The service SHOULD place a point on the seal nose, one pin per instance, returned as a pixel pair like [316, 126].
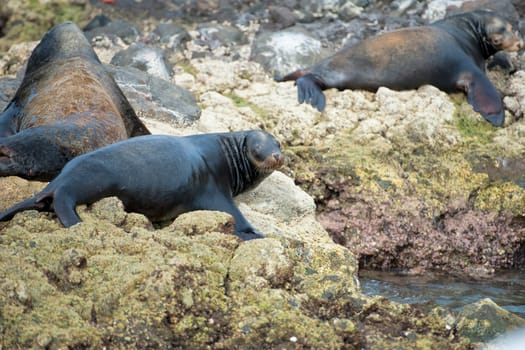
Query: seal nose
[279, 158]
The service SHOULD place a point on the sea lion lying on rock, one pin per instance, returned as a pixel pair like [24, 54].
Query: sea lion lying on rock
[66, 105]
[449, 54]
[163, 176]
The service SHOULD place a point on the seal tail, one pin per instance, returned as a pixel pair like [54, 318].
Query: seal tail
[292, 76]
[32, 203]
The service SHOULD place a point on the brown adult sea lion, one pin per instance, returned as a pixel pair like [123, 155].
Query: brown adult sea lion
[449, 54]
[163, 176]
[66, 105]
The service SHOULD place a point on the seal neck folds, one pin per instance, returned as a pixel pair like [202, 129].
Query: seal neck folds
[243, 174]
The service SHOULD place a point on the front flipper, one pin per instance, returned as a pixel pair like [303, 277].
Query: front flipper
[309, 91]
[483, 97]
[64, 206]
[219, 202]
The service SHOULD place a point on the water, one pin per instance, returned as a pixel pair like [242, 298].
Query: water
[502, 169]
[507, 289]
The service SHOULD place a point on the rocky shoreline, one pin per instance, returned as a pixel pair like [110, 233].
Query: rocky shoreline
[412, 180]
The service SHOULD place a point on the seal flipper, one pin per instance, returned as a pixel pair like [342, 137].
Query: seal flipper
[309, 91]
[29, 204]
[483, 97]
[292, 76]
[7, 120]
[64, 206]
[243, 228]
[219, 202]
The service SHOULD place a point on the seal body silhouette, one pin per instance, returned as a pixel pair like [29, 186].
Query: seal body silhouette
[66, 105]
[449, 54]
[163, 176]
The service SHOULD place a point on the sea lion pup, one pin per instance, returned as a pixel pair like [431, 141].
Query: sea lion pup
[449, 54]
[163, 176]
[66, 105]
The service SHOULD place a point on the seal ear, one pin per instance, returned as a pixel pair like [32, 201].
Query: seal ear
[483, 97]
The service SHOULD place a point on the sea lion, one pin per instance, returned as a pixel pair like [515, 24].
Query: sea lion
[66, 105]
[449, 54]
[163, 176]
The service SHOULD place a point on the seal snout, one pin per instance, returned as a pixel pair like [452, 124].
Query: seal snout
[274, 161]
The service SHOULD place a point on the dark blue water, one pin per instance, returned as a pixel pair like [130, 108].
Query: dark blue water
[507, 289]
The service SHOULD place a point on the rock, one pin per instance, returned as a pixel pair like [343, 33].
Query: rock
[282, 16]
[484, 320]
[503, 7]
[272, 213]
[316, 9]
[146, 58]
[17, 189]
[285, 51]
[26, 20]
[215, 35]
[98, 21]
[260, 264]
[436, 9]
[515, 101]
[202, 221]
[156, 98]
[173, 35]
[115, 28]
[14, 60]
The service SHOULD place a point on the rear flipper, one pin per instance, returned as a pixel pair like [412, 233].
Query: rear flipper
[292, 76]
[309, 91]
[28, 204]
[64, 207]
[483, 97]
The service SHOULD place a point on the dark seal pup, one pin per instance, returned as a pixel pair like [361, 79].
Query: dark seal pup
[66, 105]
[163, 176]
[449, 54]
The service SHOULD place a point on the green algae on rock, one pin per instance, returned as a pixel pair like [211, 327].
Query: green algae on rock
[191, 284]
[28, 19]
[484, 320]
